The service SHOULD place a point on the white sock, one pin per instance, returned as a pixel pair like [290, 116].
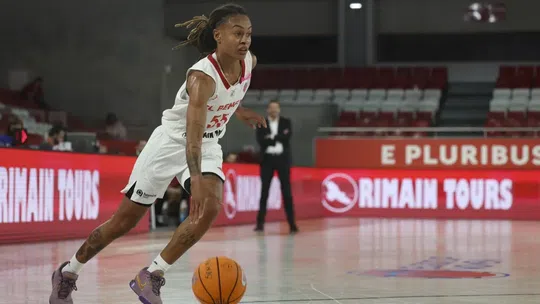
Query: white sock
[74, 266]
[159, 264]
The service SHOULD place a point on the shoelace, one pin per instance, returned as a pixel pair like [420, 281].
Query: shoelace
[157, 282]
[66, 287]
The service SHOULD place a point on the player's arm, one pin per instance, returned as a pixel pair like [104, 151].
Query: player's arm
[200, 88]
[250, 117]
[241, 112]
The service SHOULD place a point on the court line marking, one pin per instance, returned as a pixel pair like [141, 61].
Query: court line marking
[395, 297]
[328, 296]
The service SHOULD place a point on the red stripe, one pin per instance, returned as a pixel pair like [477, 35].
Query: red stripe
[218, 69]
[220, 73]
[243, 64]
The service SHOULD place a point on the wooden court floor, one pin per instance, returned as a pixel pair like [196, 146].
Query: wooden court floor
[372, 261]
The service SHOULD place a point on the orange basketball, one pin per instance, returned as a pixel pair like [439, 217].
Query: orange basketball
[219, 280]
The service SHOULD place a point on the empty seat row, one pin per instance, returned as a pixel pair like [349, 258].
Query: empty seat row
[391, 106]
[367, 77]
[517, 115]
[508, 93]
[502, 105]
[327, 95]
[510, 121]
[352, 116]
[515, 100]
[382, 121]
[518, 77]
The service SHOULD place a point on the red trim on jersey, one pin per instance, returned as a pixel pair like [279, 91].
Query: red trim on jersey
[243, 64]
[220, 72]
[218, 69]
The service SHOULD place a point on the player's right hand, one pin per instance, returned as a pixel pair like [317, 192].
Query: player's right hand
[197, 200]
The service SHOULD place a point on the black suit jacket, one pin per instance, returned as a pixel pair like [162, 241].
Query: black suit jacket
[283, 136]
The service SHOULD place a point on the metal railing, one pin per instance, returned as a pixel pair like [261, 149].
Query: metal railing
[434, 131]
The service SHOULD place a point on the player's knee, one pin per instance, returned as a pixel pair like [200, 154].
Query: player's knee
[211, 209]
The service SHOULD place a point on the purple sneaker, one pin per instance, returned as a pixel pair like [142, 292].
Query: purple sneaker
[63, 283]
[147, 286]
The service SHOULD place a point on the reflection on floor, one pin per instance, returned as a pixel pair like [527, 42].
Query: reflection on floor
[345, 261]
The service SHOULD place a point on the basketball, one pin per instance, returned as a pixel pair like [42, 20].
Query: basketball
[219, 280]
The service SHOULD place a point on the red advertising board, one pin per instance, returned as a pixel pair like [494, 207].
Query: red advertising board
[456, 194]
[450, 194]
[412, 153]
[54, 195]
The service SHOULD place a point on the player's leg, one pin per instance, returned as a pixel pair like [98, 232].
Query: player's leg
[144, 186]
[148, 282]
[126, 217]
[150, 279]
[187, 235]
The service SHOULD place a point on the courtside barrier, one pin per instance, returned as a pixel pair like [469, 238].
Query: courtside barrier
[55, 195]
[445, 194]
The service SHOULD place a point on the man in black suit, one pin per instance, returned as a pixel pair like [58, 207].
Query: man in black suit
[274, 142]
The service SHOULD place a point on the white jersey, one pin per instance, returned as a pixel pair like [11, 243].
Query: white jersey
[221, 106]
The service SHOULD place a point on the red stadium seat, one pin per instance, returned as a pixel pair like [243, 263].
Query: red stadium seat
[513, 123]
[527, 71]
[420, 77]
[494, 122]
[496, 115]
[385, 78]
[507, 72]
[424, 116]
[520, 116]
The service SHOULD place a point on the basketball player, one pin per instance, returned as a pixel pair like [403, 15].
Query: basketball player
[185, 146]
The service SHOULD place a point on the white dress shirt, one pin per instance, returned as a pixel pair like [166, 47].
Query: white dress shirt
[276, 149]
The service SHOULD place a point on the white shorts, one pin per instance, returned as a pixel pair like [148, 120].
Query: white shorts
[163, 159]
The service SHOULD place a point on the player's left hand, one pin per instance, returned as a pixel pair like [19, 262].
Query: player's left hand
[251, 118]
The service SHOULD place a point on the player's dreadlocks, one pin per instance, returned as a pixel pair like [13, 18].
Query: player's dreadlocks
[202, 34]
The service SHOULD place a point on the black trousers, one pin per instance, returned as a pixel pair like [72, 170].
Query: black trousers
[269, 165]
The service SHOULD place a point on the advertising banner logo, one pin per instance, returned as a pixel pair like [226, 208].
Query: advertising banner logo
[339, 192]
[229, 194]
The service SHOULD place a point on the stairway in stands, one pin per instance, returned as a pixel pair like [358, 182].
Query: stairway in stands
[466, 105]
